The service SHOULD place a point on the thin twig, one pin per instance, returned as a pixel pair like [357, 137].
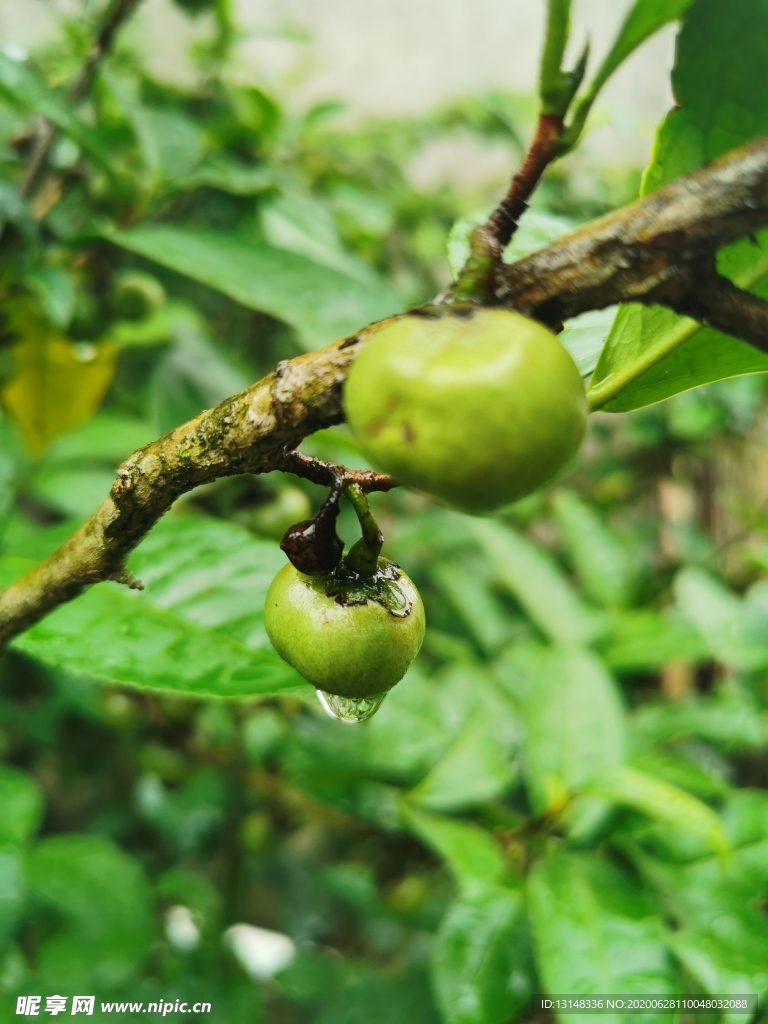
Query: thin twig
[502, 223]
[116, 15]
[328, 474]
[557, 89]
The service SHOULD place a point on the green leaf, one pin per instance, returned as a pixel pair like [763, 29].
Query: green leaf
[416, 725]
[320, 302]
[720, 935]
[115, 638]
[735, 631]
[703, 781]
[226, 173]
[172, 144]
[213, 573]
[596, 931]
[8, 468]
[12, 892]
[468, 589]
[538, 228]
[644, 19]
[185, 817]
[536, 582]
[746, 821]
[646, 640]
[379, 996]
[299, 223]
[56, 290]
[679, 355]
[728, 956]
[197, 629]
[21, 87]
[105, 900]
[423, 720]
[21, 806]
[727, 722]
[597, 554]
[108, 437]
[481, 960]
[477, 767]
[468, 850]
[652, 354]
[574, 726]
[584, 337]
[662, 802]
[744, 870]
[75, 490]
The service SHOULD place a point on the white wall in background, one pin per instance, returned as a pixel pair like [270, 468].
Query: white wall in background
[398, 56]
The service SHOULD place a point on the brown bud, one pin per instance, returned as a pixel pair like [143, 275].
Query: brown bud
[313, 546]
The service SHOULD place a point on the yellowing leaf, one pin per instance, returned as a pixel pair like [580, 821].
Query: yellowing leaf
[56, 383]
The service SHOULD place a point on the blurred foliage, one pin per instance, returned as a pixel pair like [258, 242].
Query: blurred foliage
[568, 791]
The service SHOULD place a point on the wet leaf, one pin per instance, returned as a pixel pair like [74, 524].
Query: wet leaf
[596, 931]
[481, 964]
[196, 629]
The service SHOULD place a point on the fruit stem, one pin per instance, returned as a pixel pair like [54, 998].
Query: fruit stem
[363, 556]
[327, 474]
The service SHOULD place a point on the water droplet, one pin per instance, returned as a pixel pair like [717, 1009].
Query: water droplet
[85, 352]
[350, 710]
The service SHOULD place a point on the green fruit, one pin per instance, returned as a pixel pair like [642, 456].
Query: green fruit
[477, 408]
[348, 635]
[136, 295]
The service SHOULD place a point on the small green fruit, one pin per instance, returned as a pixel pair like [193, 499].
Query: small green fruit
[477, 408]
[136, 295]
[348, 635]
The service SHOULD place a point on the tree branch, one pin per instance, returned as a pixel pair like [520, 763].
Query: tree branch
[717, 302]
[652, 251]
[327, 474]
